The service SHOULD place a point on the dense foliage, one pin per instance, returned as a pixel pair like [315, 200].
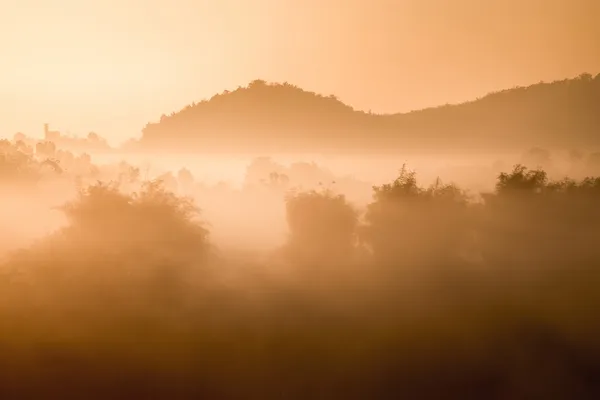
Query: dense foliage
[427, 294]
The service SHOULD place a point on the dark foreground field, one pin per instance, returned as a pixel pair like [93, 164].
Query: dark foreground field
[426, 295]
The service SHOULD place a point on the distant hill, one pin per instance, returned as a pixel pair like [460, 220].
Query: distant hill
[283, 117]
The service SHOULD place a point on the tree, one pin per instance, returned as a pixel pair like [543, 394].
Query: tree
[407, 225]
[257, 83]
[322, 228]
[521, 180]
[152, 237]
[185, 178]
[532, 222]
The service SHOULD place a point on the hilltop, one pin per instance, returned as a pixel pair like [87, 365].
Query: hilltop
[283, 117]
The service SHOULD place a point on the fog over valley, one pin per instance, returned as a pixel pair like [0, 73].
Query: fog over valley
[272, 242]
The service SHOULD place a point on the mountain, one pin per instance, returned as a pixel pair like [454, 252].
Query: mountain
[285, 118]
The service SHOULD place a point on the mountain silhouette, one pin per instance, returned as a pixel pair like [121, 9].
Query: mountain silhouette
[283, 117]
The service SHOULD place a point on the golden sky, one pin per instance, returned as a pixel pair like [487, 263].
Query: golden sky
[113, 65]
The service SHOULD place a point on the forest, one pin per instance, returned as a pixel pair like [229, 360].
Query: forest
[276, 117]
[427, 291]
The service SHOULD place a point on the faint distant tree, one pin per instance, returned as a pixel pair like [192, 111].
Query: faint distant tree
[257, 83]
[260, 168]
[45, 149]
[86, 158]
[19, 137]
[96, 140]
[537, 157]
[274, 179]
[185, 179]
[129, 174]
[93, 137]
[575, 156]
[168, 181]
[322, 228]
[283, 180]
[278, 181]
[309, 175]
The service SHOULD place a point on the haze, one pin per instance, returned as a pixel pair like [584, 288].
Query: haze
[227, 200]
[112, 66]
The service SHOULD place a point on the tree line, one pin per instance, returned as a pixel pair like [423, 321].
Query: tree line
[428, 293]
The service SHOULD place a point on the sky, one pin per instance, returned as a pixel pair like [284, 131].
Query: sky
[111, 66]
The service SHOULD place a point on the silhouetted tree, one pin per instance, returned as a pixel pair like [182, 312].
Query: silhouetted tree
[408, 225]
[532, 222]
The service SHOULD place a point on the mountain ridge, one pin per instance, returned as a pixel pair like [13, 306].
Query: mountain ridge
[283, 117]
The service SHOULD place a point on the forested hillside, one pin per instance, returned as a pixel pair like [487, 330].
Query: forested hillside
[283, 117]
